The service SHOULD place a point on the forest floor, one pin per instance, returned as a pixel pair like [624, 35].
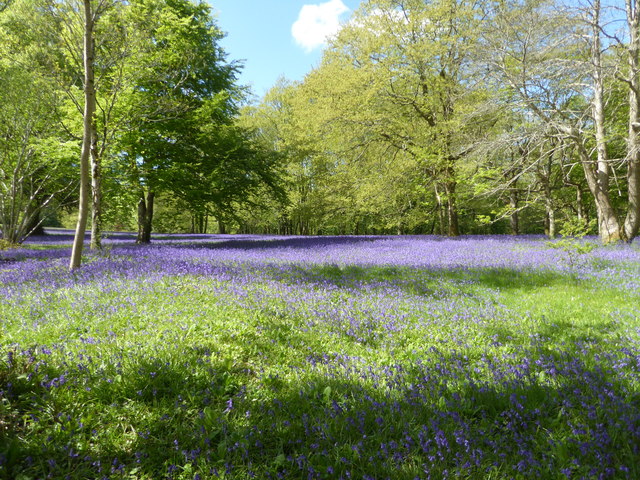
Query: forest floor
[236, 357]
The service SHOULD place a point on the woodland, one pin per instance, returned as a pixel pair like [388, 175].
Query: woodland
[348, 278]
[424, 117]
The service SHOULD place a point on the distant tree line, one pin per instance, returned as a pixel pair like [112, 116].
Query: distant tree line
[457, 116]
[441, 116]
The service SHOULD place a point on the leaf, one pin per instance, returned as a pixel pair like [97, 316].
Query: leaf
[327, 394]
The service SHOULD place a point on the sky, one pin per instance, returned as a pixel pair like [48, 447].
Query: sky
[278, 38]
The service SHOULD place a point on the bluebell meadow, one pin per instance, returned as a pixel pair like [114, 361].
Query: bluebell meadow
[237, 357]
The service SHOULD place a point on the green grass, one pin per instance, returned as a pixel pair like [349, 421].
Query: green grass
[40, 246]
[146, 370]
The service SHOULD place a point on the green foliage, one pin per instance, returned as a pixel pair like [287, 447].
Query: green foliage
[572, 242]
[379, 138]
[166, 95]
[35, 154]
[6, 245]
[576, 229]
[173, 215]
[182, 140]
[412, 123]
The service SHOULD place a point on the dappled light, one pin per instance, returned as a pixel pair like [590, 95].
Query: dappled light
[417, 261]
[334, 357]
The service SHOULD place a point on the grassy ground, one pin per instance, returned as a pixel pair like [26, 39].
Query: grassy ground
[317, 361]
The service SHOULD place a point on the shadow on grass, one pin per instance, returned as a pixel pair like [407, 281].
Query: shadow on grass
[192, 412]
[259, 242]
[420, 280]
[396, 422]
[125, 422]
[123, 415]
[212, 241]
[562, 331]
[338, 418]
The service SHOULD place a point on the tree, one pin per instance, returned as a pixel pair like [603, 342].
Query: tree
[88, 138]
[34, 153]
[401, 74]
[67, 63]
[54, 34]
[180, 106]
[632, 80]
[33, 170]
[559, 66]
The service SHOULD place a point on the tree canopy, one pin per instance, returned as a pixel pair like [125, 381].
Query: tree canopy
[440, 116]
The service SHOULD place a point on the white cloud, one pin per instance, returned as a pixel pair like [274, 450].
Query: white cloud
[316, 23]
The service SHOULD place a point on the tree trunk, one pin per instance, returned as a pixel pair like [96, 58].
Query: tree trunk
[550, 220]
[433, 225]
[608, 225]
[96, 194]
[452, 209]
[544, 175]
[598, 180]
[34, 221]
[199, 223]
[597, 176]
[550, 212]
[142, 215]
[89, 112]
[580, 205]
[440, 207]
[514, 221]
[145, 217]
[632, 220]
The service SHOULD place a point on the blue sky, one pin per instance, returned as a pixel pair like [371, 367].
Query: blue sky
[278, 38]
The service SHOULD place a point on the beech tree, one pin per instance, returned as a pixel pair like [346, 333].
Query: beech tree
[90, 16]
[34, 158]
[558, 64]
[34, 151]
[182, 87]
[402, 74]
